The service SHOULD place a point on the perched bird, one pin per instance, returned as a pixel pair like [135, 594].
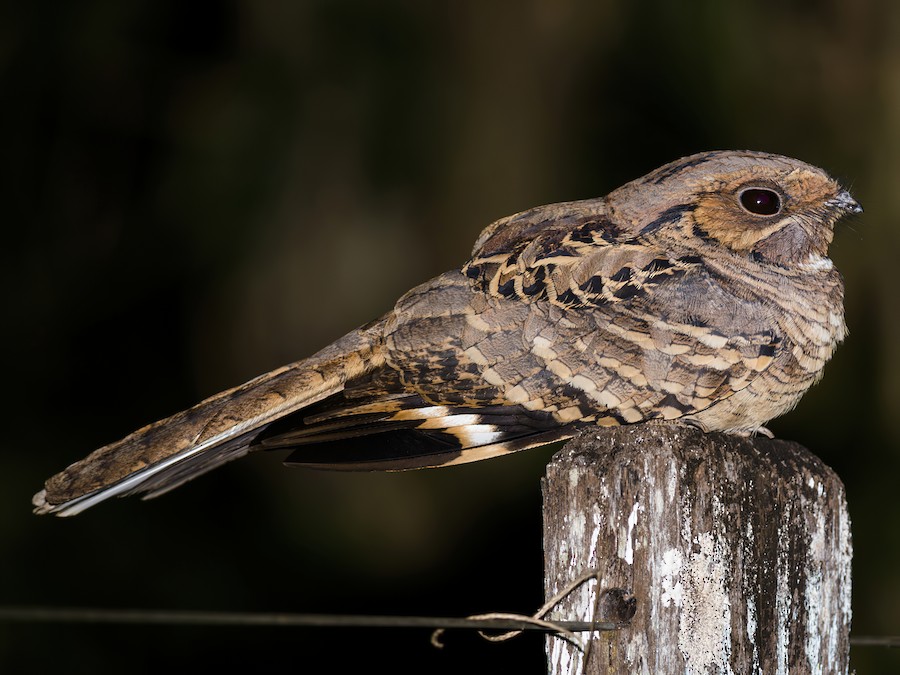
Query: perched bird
[701, 292]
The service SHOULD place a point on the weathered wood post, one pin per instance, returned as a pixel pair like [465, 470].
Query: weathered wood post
[736, 552]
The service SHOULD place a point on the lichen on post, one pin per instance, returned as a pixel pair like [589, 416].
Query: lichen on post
[735, 550]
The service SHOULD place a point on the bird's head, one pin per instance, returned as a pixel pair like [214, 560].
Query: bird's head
[768, 207]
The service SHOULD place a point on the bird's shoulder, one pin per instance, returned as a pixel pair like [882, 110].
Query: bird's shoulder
[572, 254]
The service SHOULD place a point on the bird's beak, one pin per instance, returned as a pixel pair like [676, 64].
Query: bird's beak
[845, 202]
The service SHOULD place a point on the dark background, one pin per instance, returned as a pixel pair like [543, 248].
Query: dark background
[196, 192]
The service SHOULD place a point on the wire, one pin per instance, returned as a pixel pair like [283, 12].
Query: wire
[875, 641]
[84, 615]
[190, 618]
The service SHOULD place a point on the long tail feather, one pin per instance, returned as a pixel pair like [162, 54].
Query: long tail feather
[165, 454]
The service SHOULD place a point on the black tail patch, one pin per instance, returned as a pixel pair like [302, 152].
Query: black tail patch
[406, 434]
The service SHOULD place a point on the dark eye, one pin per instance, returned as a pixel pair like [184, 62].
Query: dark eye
[761, 201]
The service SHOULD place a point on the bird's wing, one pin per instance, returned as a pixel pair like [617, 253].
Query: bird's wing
[388, 427]
[634, 330]
[545, 329]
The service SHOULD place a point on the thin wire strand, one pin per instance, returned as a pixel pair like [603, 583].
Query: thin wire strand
[85, 615]
[892, 641]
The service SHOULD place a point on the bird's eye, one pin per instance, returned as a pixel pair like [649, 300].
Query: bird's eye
[761, 201]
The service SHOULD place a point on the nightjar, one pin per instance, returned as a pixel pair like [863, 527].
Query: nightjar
[701, 292]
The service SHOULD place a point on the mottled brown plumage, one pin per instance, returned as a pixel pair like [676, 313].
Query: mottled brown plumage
[701, 292]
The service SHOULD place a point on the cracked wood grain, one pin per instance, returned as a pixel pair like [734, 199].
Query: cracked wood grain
[736, 551]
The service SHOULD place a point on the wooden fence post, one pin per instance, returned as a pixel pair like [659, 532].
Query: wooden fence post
[736, 552]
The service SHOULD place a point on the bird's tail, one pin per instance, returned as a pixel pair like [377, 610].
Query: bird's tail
[165, 454]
